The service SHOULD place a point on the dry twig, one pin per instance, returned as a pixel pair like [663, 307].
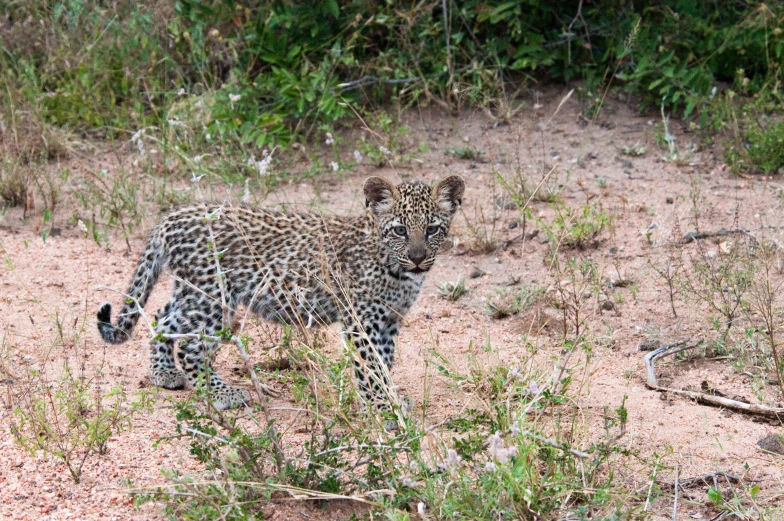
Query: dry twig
[709, 399]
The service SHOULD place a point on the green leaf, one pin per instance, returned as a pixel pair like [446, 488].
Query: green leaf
[714, 495]
[333, 7]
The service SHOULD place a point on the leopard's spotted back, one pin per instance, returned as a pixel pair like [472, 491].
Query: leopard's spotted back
[296, 268]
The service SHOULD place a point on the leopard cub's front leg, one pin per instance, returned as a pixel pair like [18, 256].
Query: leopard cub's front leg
[374, 337]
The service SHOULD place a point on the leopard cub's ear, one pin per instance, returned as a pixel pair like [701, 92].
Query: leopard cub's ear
[380, 194]
[448, 193]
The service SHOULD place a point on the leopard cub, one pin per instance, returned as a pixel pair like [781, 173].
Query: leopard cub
[295, 268]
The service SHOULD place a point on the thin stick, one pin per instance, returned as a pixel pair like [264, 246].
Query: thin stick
[650, 488]
[720, 401]
[675, 504]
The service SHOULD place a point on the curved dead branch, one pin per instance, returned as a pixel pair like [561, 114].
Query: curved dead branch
[709, 399]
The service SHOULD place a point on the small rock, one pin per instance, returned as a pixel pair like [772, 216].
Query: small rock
[587, 295]
[513, 225]
[476, 273]
[543, 239]
[649, 345]
[772, 443]
[669, 200]
[608, 305]
[690, 237]
[613, 251]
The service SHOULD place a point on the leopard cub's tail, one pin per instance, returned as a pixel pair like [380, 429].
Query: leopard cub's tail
[144, 278]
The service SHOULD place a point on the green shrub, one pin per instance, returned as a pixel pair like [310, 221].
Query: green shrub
[101, 67]
[765, 147]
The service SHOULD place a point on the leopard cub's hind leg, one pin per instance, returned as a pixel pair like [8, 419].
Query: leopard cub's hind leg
[193, 355]
[163, 370]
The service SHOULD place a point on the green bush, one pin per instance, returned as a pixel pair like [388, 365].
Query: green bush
[100, 67]
[766, 147]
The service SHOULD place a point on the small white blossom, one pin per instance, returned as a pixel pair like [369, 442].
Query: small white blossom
[83, 227]
[197, 159]
[263, 165]
[176, 123]
[246, 193]
[181, 92]
[195, 178]
[515, 430]
[421, 510]
[357, 156]
[408, 482]
[532, 389]
[384, 150]
[234, 97]
[199, 104]
[497, 449]
[207, 136]
[490, 467]
[334, 166]
[137, 140]
[330, 140]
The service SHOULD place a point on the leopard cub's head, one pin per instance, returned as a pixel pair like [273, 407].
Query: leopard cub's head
[413, 219]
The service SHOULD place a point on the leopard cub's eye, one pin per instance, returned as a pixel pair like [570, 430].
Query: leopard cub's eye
[431, 230]
[400, 230]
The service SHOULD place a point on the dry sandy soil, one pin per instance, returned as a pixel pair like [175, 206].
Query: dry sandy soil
[43, 281]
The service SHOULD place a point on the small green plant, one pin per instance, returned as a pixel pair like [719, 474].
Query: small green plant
[113, 202]
[452, 290]
[765, 147]
[635, 150]
[505, 302]
[71, 419]
[576, 227]
[467, 153]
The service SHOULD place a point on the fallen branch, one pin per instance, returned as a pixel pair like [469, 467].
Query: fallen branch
[709, 479]
[709, 399]
[694, 236]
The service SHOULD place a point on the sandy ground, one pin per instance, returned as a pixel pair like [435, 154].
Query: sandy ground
[44, 282]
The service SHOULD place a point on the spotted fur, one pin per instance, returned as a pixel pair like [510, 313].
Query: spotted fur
[294, 268]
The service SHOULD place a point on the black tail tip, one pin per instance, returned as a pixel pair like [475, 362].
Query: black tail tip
[105, 313]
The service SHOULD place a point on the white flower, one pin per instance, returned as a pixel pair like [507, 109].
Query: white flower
[197, 159]
[357, 156]
[181, 92]
[334, 166]
[207, 136]
[497, 449]
[137, 140]
[421, 510]
[176, 123]
[408, 482]
[384, 150]
[199, 104]
[83, 227]
[532, 389]
[490, 467]
[330, 140]
[263, 165]
[234, 97]
[515, 430]
[195, 178]
[246, 193]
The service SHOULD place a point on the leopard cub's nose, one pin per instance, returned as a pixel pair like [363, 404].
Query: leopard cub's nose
[417, 255]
